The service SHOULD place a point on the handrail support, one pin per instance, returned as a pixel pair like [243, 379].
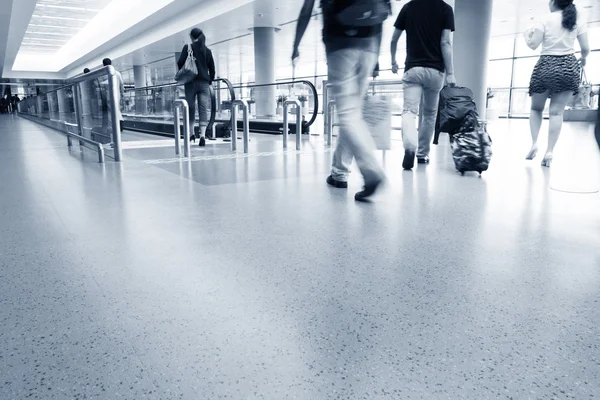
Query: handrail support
[293, 103]
[183, 104]
[246, 124]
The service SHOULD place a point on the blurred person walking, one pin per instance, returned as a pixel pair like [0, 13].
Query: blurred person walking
[557, 74]
[428, 25]
[199, 88]
[352, 35]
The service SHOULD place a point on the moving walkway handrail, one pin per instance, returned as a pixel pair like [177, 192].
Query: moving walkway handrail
[310, 85]
[231, 88]
[213, 100]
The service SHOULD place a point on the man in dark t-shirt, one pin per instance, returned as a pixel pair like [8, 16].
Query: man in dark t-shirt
[352, 53]
[428, 25]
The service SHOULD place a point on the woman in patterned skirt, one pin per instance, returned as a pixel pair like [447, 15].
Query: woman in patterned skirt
[557, 74]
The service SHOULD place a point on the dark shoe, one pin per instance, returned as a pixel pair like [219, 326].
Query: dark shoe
[338, 184]
[193, 139]
[409, 160]
[202, 141]
[368, 190]
[423, 160]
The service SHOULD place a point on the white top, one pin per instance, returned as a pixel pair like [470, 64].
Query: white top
[555, 40]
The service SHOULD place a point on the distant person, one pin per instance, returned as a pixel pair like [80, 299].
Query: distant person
[198, 89]
[352, 53]
[557, 74]
[119, 94]
[428, 25]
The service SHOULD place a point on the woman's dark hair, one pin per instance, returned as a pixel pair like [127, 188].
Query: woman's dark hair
[197, 34]
[569, 13]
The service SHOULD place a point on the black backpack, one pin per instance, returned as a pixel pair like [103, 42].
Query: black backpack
[357, 13]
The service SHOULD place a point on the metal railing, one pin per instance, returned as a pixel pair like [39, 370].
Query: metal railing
[183, 104]
[82, 139]
[58, 101]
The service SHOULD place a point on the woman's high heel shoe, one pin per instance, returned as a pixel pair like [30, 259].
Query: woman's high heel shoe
[532, 153]
[547, 161]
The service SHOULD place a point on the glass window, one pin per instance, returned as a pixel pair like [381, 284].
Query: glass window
[522, 50]
[523, 69]
[592, 69]
[499, 73]
[521, 103]
[594, 37]
[501, 47]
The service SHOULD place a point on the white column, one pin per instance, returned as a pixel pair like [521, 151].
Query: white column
[140, 80]
[473, 20]
[264, 69]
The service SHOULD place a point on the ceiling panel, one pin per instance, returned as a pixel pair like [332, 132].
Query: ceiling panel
[55, 22]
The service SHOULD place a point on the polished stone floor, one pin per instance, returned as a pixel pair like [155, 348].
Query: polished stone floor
[246, 277]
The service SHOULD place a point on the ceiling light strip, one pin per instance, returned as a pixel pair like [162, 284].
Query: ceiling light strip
[60, 18]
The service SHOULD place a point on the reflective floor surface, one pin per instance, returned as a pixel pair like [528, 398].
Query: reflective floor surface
[246, 277]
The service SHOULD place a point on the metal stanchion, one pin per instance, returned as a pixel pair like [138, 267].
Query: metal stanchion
[246, 124]
[78, 110]
[298, 105]
[329, 121]
[183, 104]
[113, 86]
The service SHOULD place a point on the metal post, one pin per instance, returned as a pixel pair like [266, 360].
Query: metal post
[114, 92]
[298, 105]
[186, 128]
[285, 125]
[77, 107]
[233, 126]
[177, 117]
[246, 124]
[325, 103]
[329, 121]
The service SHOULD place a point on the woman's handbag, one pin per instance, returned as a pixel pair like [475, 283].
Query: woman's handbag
[189, 71]
[582, 100]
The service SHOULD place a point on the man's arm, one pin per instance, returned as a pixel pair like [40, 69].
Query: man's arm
[394, 49]
[303, 20]
[447, 54]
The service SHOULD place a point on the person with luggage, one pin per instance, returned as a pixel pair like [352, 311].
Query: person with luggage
[352, 45]
[557, 74]
[198, 88]
[428, 25]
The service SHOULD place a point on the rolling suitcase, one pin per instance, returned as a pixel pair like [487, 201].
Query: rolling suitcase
[471, 147]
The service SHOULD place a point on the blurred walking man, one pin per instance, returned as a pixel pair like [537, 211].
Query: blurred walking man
[352, 36]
